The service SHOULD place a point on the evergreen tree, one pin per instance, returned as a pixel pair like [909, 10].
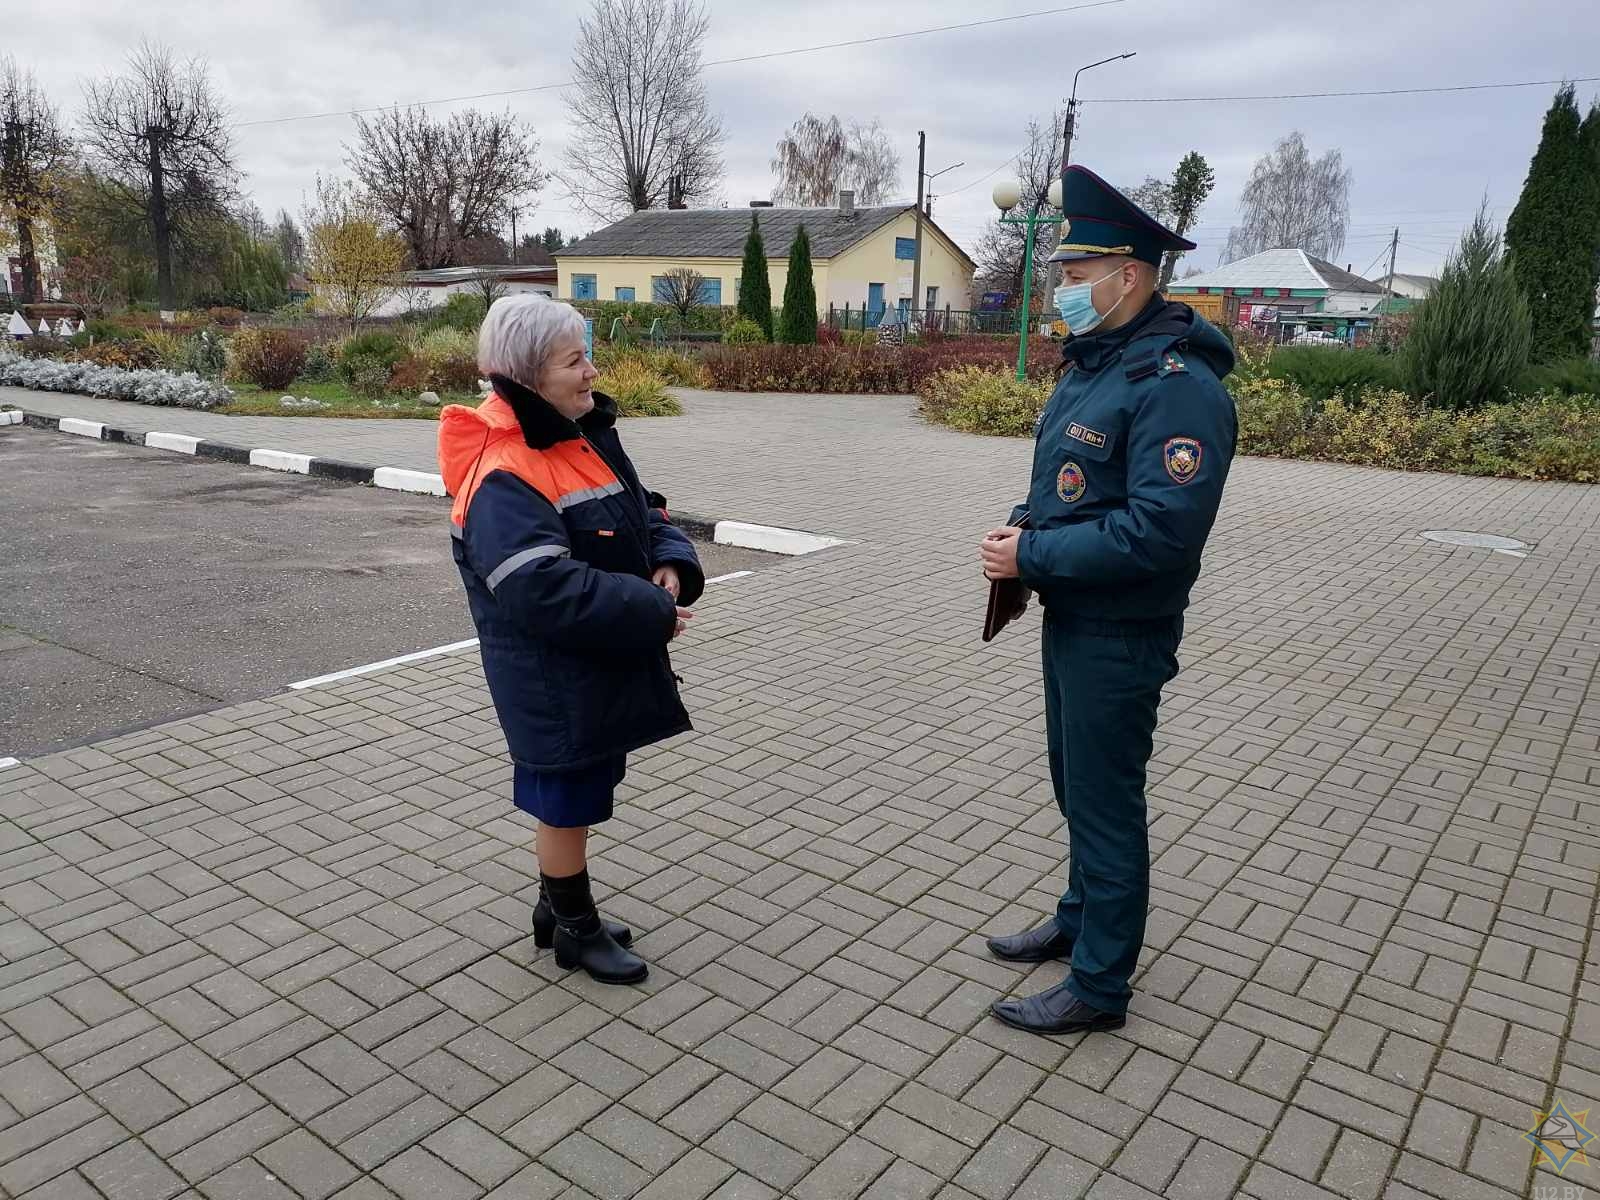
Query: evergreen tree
[1589, 144]
[1548, 238]
[799, 326]
[755, 286]
[1469, 340]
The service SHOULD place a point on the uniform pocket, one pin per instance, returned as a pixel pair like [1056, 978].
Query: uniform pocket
[1087, 443]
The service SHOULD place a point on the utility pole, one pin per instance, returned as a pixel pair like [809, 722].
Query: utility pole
[1388, 291]
[1068, 124]
[916, 262]
[513, 235]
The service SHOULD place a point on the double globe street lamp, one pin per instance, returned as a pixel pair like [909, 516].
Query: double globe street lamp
[1007, 195]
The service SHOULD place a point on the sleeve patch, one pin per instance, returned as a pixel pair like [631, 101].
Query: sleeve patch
[1172, 364]
[1182, 458]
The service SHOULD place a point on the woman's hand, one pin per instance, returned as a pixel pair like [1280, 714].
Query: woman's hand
[667, 577]
[684, 617]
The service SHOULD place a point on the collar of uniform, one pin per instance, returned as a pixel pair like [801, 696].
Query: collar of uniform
[1093, 351]
[542, 426]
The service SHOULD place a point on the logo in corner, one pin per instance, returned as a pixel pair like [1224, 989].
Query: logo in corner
[1560, 1136]
[1070, 483]
[1182, 457]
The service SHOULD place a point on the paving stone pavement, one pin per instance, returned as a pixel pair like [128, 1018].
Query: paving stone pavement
[281, 950]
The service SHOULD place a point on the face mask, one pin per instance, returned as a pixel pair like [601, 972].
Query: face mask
[1075, 303]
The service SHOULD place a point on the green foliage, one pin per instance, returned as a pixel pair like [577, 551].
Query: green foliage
[799, 326]
[1569, 377]
[865, 369]
[980, 400]
[369, 378]
[463, 312]
[638, 391]
[1470, 339]
[369, 353]
[744, 333]
[268, 358]
[1192, 181]
[755, 285]
[1550, 237]
[1320, 371]
[321, 365]
[1589, 146]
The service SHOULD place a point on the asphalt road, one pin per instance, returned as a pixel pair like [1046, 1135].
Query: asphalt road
[138, 586]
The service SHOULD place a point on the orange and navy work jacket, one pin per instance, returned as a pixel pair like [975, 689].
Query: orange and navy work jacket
[556, 543]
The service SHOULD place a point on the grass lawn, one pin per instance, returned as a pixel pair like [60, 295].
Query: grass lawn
[337, 400]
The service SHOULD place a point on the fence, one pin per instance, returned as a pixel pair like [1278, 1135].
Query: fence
[952, 321]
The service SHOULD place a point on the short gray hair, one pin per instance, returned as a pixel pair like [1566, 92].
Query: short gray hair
[518, 332]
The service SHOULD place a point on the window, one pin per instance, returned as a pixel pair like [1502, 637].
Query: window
[933, 298]
[905, 248]
[658, 289]
[625, 295]
[584, 287]
[711, 292]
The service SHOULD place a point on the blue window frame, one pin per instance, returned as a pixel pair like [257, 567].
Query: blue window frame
[625, 294]
[658, 289]
[711, 291]
[905, 248]
[584, 287]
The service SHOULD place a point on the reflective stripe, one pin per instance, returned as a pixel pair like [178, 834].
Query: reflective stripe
[521, 559]
[457, 532]
[595, 493]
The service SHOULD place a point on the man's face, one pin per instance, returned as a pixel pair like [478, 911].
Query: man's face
[1122, 272]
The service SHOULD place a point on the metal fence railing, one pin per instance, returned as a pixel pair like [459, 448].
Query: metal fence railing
[952, 321]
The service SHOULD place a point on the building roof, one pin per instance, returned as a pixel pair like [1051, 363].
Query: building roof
[440, 276]
[1422, 281]
[721, 232]
[1287, 270]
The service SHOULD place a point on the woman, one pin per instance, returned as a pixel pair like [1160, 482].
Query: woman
[576, 586]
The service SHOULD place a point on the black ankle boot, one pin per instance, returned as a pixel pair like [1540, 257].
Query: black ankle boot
[544, 925]
[581, 938]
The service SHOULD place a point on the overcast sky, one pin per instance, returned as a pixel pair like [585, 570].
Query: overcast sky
[1420, 162]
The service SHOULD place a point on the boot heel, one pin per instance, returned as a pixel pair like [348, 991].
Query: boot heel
[544, 936]
[566, 959]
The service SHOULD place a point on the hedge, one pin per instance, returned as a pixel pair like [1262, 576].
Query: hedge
[164, 388]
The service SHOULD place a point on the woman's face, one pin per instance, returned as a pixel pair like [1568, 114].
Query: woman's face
[567, 377]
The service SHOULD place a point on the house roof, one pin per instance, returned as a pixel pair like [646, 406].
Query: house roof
[1421, 281]
[1283, 269]
[721, 232]
[439, 276]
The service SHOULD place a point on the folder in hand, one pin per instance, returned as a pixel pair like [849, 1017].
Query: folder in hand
[1008, 600]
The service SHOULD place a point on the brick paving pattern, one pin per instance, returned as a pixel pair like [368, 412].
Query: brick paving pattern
[281, 950]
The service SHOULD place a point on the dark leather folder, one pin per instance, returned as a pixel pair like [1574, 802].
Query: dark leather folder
[1008, 600]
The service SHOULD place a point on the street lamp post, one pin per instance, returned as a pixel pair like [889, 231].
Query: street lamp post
[1070, 122]
[1007, 194]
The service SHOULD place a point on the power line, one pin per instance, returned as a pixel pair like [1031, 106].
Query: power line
[1465, 87]
[721, 62]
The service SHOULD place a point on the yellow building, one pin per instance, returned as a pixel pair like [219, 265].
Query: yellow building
[862, 257]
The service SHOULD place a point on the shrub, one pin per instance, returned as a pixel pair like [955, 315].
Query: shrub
[1321, 371]
[370, 379]
[866, 369]
[204, 353]
[1569, 377]
[799, 322]
[39, 346]
[1470, 339]
[269, 358]
[678, 368]
[128, 356]
[321, 365]
[111, 383]
[981, 400]
[171, 348]
[370, 352]
[744, 333]
[827, 335]
[755, 282]
[462, 312]
[638, 391]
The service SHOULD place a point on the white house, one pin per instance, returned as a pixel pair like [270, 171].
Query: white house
[421, 290]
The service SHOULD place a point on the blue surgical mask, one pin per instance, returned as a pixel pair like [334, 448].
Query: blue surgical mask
[1075, 303]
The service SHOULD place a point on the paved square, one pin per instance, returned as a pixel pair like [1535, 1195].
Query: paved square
[281, 950]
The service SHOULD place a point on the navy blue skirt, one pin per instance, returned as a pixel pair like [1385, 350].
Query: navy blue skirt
[568, 799]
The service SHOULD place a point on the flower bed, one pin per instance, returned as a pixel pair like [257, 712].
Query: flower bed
[165, 388]
[867, 369]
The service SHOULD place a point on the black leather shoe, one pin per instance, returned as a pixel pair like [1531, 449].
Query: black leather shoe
[544, 926]
[1055, 1010]
[586, 943]
[1036, 945]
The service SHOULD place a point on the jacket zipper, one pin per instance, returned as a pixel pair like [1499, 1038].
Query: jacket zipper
[642, 536]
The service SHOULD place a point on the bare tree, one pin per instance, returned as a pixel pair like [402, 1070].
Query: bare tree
[34, 153]
[818, 157]
[291, 244]
[683, 290]
[1293, 201]
[160, 136]
[1154, 196]
[646, 133]
[443, 184]
[1002, 248]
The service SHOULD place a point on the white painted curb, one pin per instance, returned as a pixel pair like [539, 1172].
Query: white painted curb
[181, 442]
[281, 460]
[9, 762]
[13, 417]
[88, 429]
[401, 480]
[772, 539]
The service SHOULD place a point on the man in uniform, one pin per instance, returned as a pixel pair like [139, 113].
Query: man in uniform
[1131, 454]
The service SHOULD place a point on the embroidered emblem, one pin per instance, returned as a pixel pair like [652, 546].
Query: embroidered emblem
[1171, 363]
[1070, 484]
[1182, 456]
[1091, 437]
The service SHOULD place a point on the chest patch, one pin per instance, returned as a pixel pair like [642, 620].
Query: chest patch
[1089, 437]
[1070, 483]
[1182, 457]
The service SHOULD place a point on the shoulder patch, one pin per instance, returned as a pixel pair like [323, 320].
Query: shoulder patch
[1172, 364]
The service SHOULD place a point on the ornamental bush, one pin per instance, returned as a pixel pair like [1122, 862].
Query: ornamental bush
[163, 388]
[638, 391]
[269, 358]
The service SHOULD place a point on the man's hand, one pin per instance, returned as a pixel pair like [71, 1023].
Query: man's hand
[667, 577]
[999, 552]
[684, 617]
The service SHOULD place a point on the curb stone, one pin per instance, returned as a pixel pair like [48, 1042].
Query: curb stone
[789, 542]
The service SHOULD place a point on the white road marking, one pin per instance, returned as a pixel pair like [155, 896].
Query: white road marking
[772, 539]
[9, 762]
[386, 663]
[731, 575]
